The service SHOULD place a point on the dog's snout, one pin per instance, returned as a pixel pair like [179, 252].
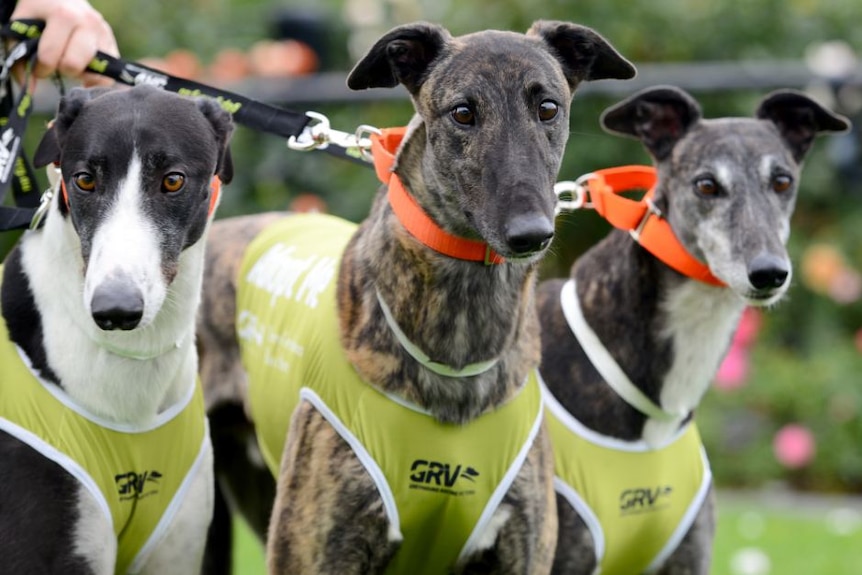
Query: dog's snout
[117, 305]
[526, 234]
[767, 272]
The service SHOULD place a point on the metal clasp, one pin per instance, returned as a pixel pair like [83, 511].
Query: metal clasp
[55, 179]
[651, 210]
[318, 135]
[572, 196]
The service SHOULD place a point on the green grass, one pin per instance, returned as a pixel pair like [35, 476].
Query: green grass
[247, 551]
[795, 540]
[796, 536]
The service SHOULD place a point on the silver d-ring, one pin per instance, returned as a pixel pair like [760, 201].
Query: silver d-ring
[365, 149]
[576, 194]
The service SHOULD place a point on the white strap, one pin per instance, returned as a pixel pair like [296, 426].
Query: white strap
[468, 370]
[602, 360]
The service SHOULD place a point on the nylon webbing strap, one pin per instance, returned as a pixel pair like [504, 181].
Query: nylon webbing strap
[245, 111]
[15, 170]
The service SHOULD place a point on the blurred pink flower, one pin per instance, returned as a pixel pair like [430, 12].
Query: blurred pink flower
[733, 370]
[794, 446]
[859, 340]
[748, 327]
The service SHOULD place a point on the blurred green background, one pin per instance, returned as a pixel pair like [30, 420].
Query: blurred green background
[785, 413]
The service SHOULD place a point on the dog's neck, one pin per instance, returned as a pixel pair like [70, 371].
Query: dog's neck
[457, 312]
[667, 333]
[124, 377]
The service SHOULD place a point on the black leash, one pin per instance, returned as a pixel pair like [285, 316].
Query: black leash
[16, 170]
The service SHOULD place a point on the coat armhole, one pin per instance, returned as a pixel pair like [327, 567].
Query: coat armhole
[71, 466]
[687, 519]
[368, 462]
[586, 514]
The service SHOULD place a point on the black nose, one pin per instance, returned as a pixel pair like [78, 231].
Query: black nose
[529, 233]
[117, 305]
[767, 271]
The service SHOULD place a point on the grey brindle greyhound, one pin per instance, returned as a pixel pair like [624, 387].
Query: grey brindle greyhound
[727, 187]
[480, 158]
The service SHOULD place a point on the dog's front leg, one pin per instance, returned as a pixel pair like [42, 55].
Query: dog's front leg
[522, 536]
[328, 516]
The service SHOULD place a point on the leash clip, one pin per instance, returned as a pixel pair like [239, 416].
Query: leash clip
[318, 135]
[55, 178]
[572, 196]
[44, 205]
[651, 210]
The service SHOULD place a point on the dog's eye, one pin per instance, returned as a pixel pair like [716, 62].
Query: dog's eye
[548, 110]
[85, 181]
[463, 115]
[781, 183]
[706, 186]
[173, 182]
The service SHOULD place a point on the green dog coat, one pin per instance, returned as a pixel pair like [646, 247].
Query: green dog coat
[440, 484]
[637, 502]
[138, 475]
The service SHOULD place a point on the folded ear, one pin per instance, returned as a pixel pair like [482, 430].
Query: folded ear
[68, 109]
[222, 125]
[584, 54]
[799, 119]
[658, 117]
[401, 56]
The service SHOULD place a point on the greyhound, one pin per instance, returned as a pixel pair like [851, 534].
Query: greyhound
[630, 344]
[105, 458]
[437, 343]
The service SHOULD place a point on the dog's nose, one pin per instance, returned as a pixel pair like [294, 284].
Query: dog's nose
[767, 271]
[529, 233]
[116, 306]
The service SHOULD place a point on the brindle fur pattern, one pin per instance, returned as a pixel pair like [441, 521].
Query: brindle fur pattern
[490, 180]
[637, 305]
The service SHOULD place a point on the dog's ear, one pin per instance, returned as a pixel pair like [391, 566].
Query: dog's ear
[222, 125]
[68, 109]
[658, 117]
[48, 150]
[799, 119]
[401, 56]
[584, 54]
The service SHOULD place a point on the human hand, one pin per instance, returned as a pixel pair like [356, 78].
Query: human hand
[74, 32]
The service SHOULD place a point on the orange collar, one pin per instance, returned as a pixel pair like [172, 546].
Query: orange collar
[215, 188]
[412, 216]
[636, 217]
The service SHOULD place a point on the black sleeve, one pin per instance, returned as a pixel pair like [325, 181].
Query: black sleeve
[6, 9]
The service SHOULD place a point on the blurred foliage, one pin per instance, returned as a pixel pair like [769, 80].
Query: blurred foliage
[805, 361]
[818, 388]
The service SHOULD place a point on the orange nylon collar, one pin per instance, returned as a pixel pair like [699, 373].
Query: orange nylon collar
[642, 219]
[412, 216]
[215, 190]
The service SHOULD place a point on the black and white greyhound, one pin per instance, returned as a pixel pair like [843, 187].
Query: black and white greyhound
[105, 460]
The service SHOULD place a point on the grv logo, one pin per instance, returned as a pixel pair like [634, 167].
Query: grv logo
[441, 477]
[644, 500]
[133, 485]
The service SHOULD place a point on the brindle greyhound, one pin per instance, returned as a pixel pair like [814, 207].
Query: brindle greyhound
[630, 345]
[480, 158]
